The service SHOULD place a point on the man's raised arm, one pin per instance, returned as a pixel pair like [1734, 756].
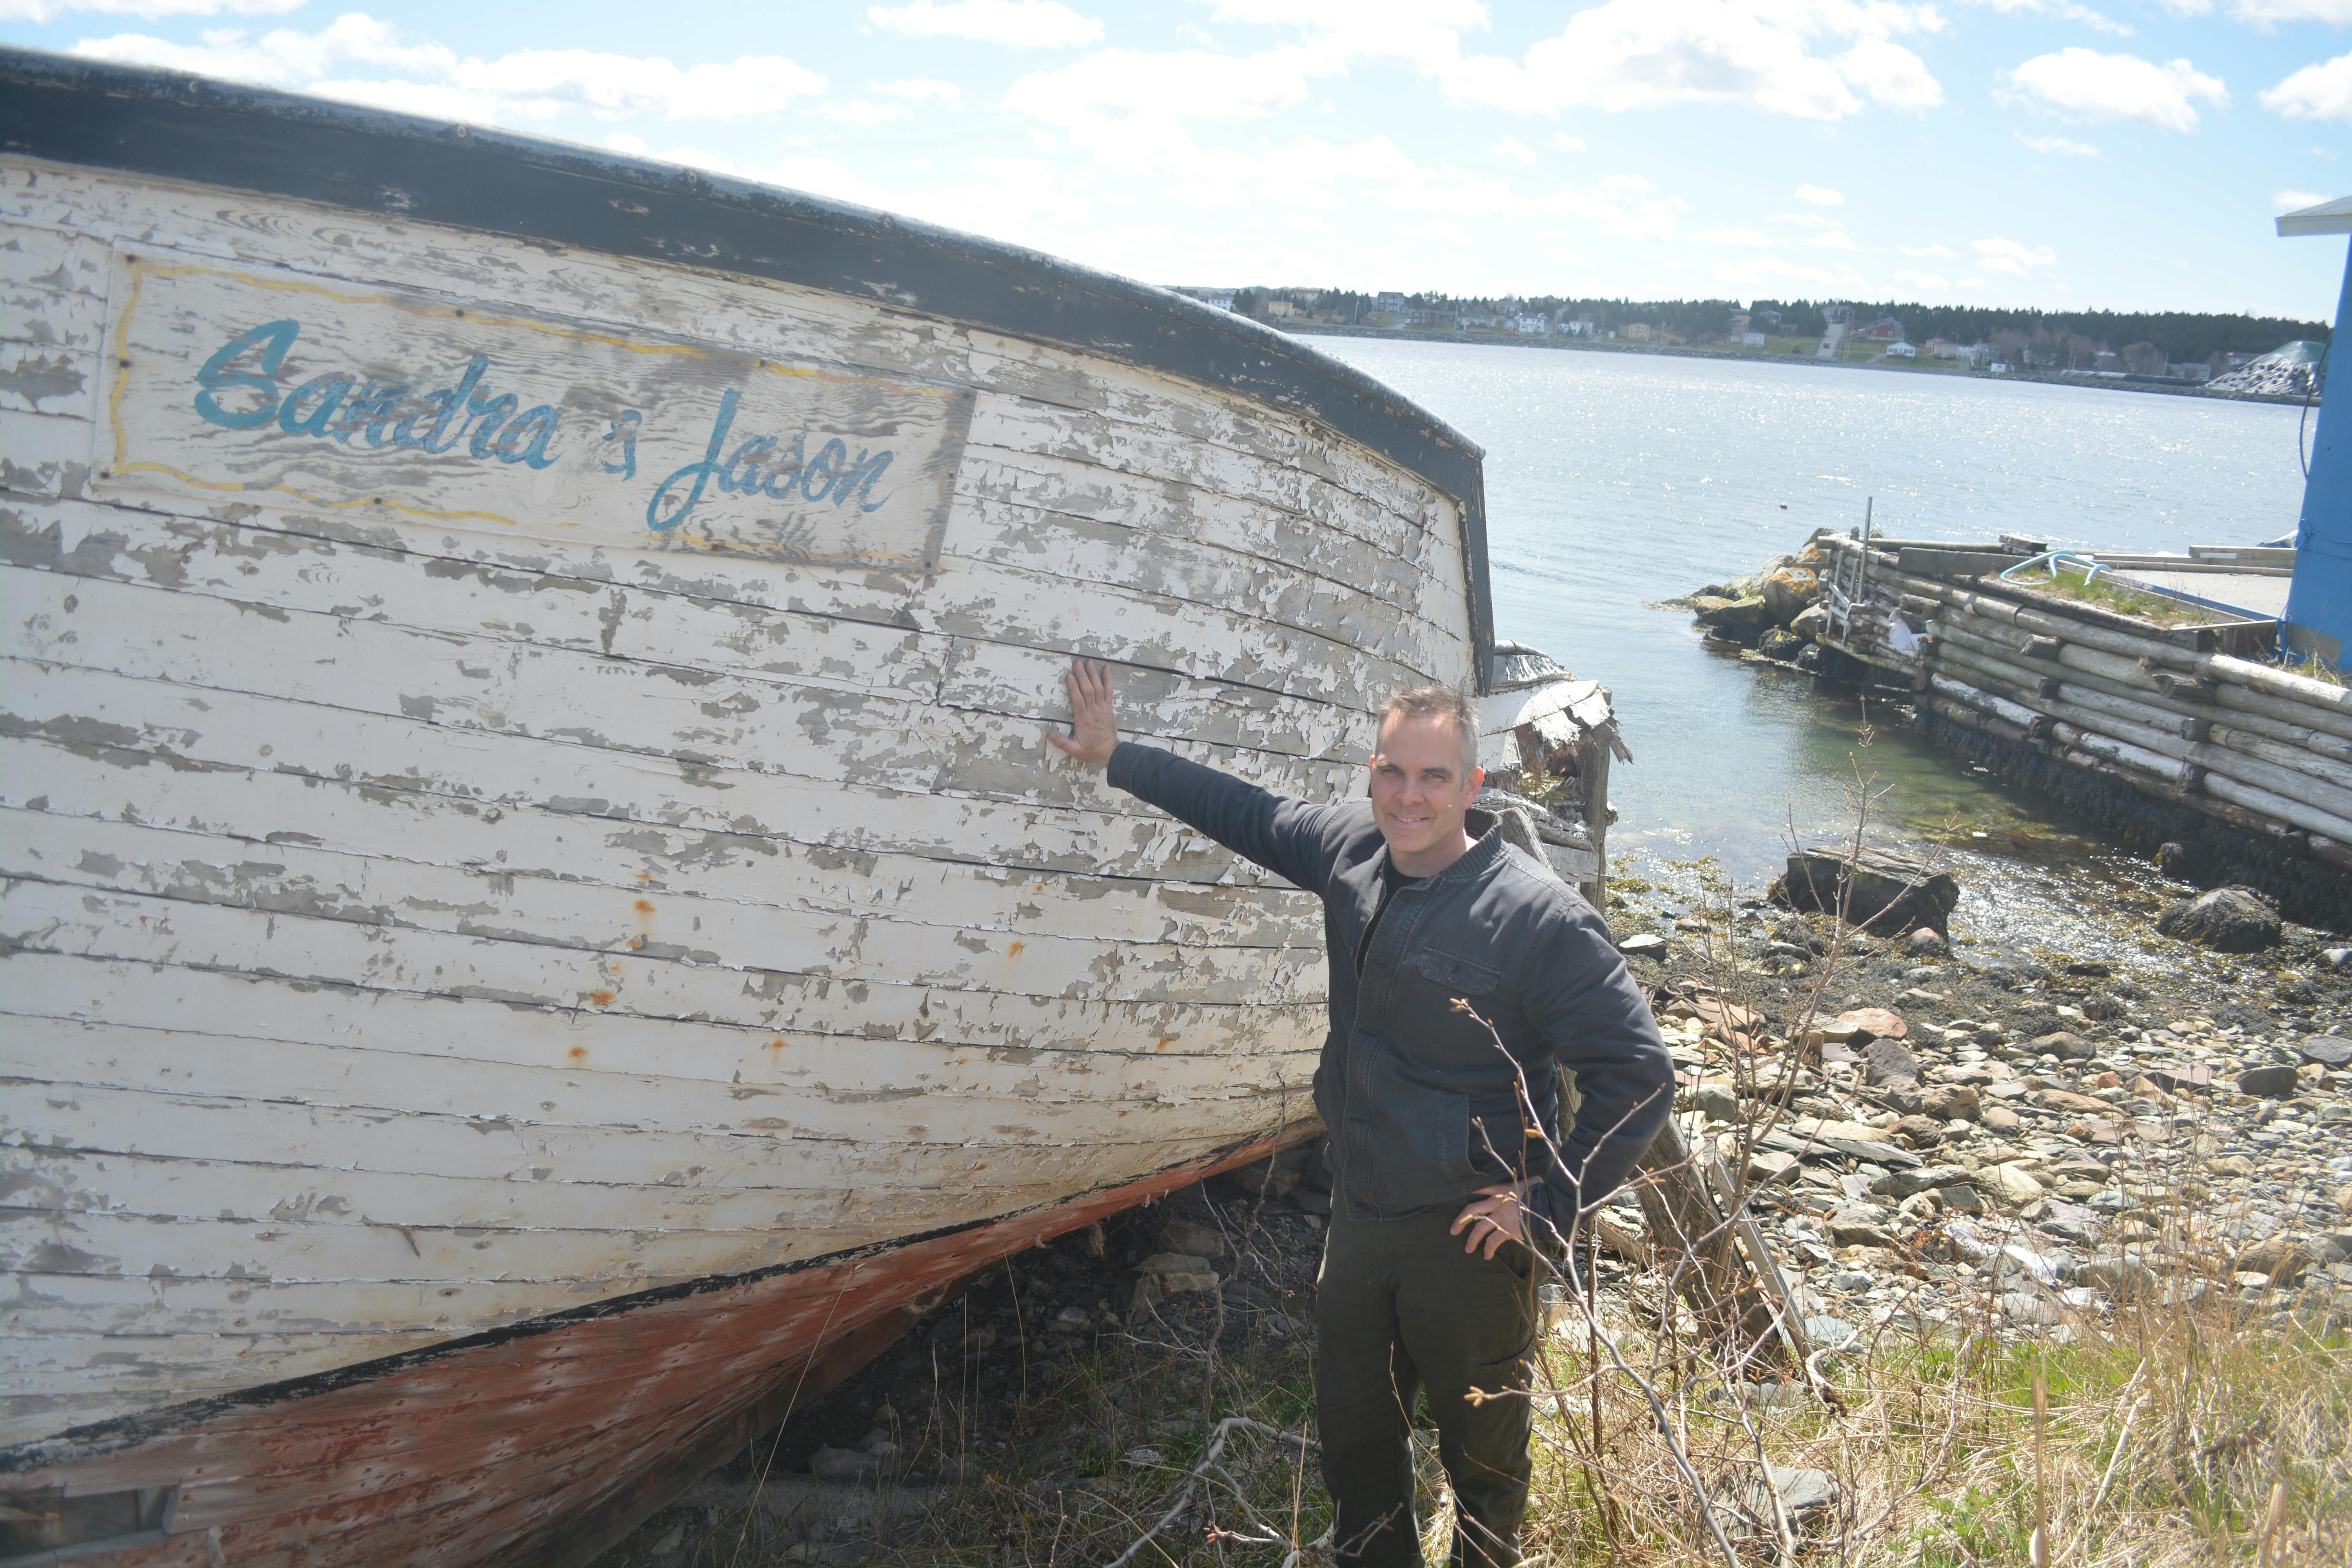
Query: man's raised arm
[1282, 835]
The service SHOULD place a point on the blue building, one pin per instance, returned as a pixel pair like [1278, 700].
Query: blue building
[2319, 606]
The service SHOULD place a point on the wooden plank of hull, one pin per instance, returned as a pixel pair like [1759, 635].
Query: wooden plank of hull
[298, 882]
[138, 724]
[290, 570]
[182, 811]
[364, 1470]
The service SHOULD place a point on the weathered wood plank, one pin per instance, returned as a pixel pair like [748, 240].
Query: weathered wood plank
[295, 881]
[138, 724]
[43, 456]
[51, 318]
[54, 257]
[516, 689]
[295, 571]
[42, 917]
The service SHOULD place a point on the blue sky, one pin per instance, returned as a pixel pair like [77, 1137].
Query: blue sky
[2052, 152]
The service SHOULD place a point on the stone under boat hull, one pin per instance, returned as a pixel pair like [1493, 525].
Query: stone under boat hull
[538, 916]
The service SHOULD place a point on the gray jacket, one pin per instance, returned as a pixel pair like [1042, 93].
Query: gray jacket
[1422, 1099]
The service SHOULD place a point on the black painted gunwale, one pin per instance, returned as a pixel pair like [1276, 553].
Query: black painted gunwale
[175, 126]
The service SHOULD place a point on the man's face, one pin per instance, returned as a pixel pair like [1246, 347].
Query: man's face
[1420, 788]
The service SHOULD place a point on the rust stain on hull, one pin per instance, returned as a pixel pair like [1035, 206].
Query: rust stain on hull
[544, 1444]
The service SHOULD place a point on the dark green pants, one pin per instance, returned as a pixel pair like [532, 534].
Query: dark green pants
[1403, 1310]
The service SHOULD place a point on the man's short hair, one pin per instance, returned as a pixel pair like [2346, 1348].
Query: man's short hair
[1435, 702]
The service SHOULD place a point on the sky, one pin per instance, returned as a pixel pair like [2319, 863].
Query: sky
[2126, 156]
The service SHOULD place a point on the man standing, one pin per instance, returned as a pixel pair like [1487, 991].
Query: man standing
[1426, 906]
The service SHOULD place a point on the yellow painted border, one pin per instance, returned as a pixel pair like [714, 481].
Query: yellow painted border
[140, 270]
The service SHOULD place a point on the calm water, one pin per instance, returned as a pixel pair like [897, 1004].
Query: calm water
[1616, 482]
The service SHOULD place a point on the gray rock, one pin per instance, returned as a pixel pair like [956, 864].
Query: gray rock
[1767, 1166]
[2275, 1082]
[1642, 941]
[1780, 644]
[843, 1465]
[2120, 1276]
[1177, 1272]
[1886, 1062]
[1831, 1333]
[1192, 1236]
[1717, 1102]
[2329, 1051]
[1903, 1183]
[1811, 622]
[1951, 1102]
[2065, 1047]
[1926, 943]
[1741, 620]
[2025, 1307]
[2227, 919]
[1880, 891]
[1858, 1228]
[1803, 1495]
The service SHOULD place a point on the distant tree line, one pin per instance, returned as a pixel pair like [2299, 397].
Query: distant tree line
[2051, 337]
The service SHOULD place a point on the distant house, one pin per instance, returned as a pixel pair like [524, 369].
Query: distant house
[1530, 326]
[1638, 332]
[1999, 367]
[1944, 348]
[2194, 370]
[1390, 305]
[1477, 317]
[1885, 330]
[1901, 351]
[1280, 308]
[1752, 340]
[1580, 328]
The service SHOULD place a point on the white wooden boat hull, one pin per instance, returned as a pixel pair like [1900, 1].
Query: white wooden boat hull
[515, 913]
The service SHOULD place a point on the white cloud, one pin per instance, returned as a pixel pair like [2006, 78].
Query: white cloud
[2189, 7]
[37, 11]
[1834, 239]
[922, 89]
[2323, 91]
[2069, 11]
[1626, 183]
[2008, 256]
[1755, 238]
[862, 111]
[533, 85]
[1509, 148]
[1925, 250]
[1027, 24]
[1820, 196]
[2262, 14]
[1802, 220]
[2058, 145]
[1923, 280]
[1421, 36]
[2092, 86]
[1893, 75]
[1650, 54]
[1568, 143]
[2295, 201]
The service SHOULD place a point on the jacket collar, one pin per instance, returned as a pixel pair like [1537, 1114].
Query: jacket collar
[1487, 828]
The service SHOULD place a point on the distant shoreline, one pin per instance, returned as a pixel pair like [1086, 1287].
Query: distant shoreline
[1593, 345]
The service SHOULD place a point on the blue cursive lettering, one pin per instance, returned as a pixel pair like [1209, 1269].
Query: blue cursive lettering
[272, 339]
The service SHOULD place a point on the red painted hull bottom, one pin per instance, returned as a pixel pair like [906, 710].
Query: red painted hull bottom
[545, 1443]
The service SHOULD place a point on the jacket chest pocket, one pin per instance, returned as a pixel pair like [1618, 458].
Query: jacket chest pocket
[1457, 975]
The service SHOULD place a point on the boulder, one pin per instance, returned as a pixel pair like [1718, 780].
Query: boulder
[1880, 891]
[2227, 919]
[1951, 1102]
[1717, 1102]
[1926, 943]
[1904, 1183]
[1858, 1228]
[1925, 1132]
[2276, 1082]
[1780, 644]
[1741, 620]
[1177, 1272]
[1192, 1236]
[2013, 1184]
[2282, 1259]
[1864, 1025]
[1767, 1166]
[1788, 592]
[1811, 622]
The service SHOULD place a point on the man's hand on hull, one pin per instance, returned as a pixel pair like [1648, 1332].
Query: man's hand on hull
[1094, 725]
[1494, 1216]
